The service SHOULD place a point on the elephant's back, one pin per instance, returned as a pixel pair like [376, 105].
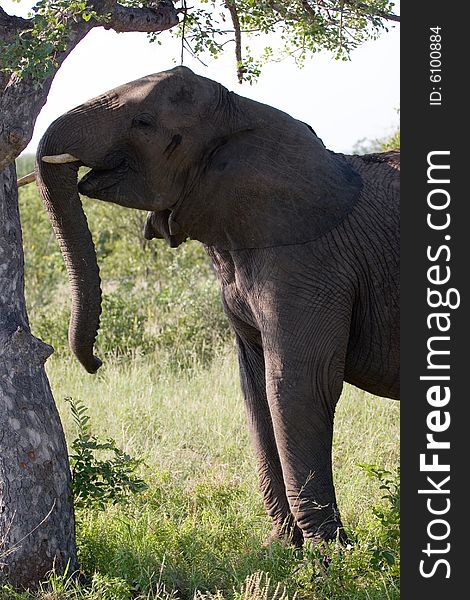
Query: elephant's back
[390, 158]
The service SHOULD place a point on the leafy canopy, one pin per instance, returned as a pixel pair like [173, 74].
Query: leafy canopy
[33, 52]
[208, 28]
[300, 28]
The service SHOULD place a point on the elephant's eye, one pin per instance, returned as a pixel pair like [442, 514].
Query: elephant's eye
[143, 121]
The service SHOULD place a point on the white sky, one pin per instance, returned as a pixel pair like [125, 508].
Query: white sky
[343, 101]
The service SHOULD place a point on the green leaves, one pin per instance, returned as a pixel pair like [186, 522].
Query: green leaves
[385, 550]
[299, 28]
[98, 481]
[35, 51]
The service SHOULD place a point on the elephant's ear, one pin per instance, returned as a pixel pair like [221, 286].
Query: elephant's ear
[158, 226]
[275, 186]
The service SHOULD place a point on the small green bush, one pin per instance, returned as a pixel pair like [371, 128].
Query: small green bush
[385, 548]
[97, 481]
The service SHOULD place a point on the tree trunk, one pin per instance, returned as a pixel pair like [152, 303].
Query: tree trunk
[37, 527]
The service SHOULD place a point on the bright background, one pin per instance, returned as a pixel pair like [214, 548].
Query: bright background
[343, 101]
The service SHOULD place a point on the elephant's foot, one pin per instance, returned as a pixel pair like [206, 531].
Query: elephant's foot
[319, 550]
[329, 529]
[329, 532]
[290, 534]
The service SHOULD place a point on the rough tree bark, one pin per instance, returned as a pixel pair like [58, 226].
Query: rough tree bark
[36, 513]
[37, 529]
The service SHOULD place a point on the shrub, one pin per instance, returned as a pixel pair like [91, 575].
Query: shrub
[385, 548]
[98, 481]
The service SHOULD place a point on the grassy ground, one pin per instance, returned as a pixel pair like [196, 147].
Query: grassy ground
[198, 529]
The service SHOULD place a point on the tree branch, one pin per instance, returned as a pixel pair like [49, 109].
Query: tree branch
[365, 8]
[238, 38]
[308, 8]
[10, 27]
[148, 20]
[11, 24]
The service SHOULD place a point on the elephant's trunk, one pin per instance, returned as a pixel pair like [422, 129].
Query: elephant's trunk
[58, 188]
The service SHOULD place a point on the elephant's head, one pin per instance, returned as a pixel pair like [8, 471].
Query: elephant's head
[211, 165]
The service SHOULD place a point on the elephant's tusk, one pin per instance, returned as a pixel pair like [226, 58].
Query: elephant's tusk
[26, 179]
[60, 159]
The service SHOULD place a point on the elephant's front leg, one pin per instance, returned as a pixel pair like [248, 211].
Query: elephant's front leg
[303, 387]
[252, 375]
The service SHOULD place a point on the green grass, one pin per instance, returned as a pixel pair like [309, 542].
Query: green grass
[198, 530]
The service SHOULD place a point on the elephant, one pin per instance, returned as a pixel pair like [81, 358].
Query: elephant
[304, 241]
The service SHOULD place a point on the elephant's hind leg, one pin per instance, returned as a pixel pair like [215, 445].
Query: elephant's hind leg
[252, 375]
[303, 387]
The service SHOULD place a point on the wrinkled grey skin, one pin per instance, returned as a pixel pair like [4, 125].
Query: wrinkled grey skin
[305, 243]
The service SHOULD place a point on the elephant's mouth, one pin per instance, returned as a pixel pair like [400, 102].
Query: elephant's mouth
[98, 182]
